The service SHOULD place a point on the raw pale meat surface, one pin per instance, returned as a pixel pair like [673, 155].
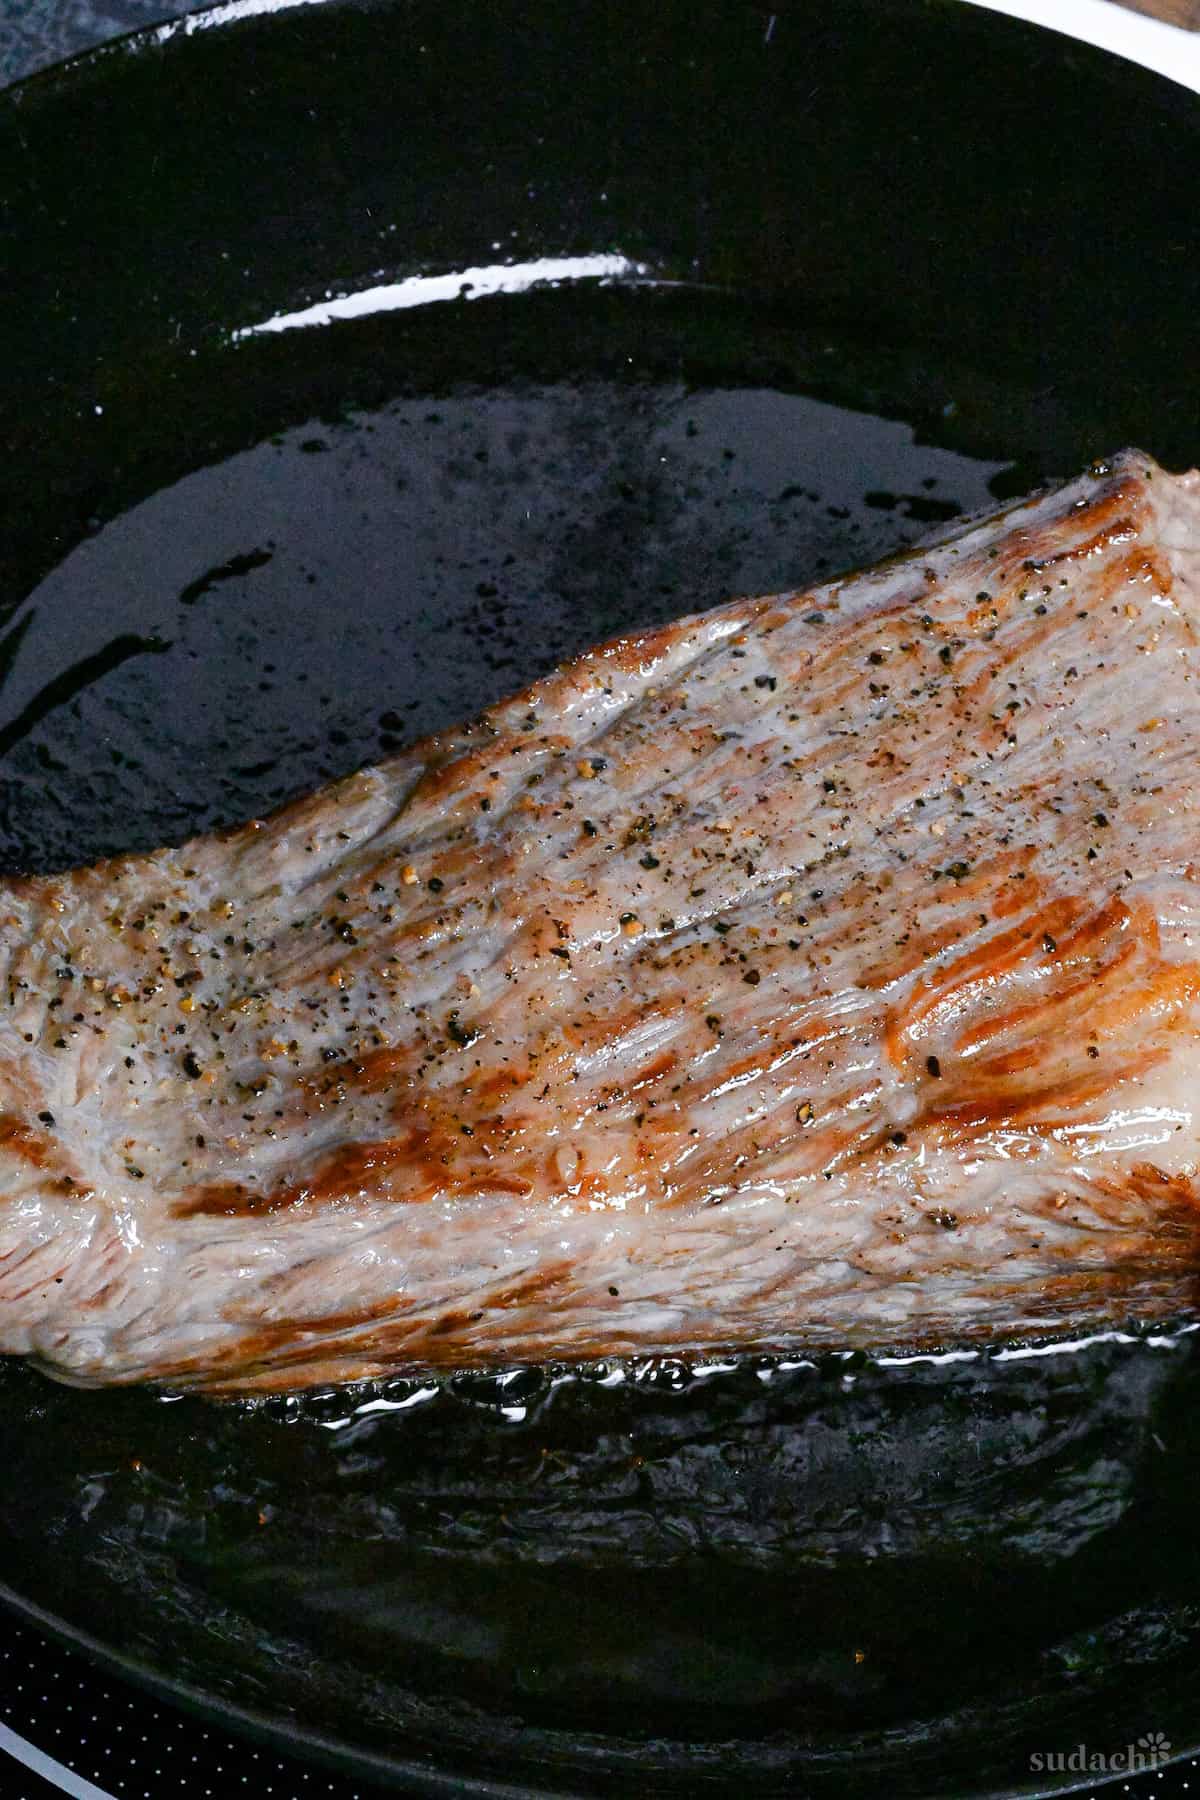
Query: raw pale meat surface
[820, 970]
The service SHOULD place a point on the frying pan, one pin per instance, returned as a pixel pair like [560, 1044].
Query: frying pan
[363, 359]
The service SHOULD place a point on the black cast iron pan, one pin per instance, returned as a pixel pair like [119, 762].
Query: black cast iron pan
[789, 288]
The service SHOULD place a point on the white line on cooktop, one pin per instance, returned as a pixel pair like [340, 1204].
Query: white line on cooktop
[45, 1766]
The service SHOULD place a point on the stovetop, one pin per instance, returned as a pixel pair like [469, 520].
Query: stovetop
[66, 1728]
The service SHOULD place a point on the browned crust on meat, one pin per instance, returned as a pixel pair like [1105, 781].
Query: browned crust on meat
[33, 1147]
[864, 934]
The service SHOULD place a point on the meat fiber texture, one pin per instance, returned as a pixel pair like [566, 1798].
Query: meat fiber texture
[819, 970]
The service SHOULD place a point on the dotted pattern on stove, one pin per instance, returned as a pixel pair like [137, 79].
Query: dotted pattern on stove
[119, 1744]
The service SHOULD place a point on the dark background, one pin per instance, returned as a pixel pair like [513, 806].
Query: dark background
[111, 1735]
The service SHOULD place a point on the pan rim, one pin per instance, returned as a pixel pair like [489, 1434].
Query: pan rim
[1171, 51]
[397, 1772]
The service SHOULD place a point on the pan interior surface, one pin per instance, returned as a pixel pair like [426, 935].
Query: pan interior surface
[365, 361]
